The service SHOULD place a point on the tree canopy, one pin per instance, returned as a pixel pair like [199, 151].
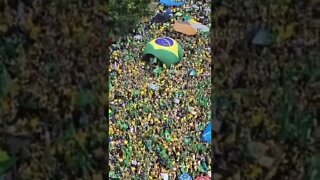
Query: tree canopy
[124, 15]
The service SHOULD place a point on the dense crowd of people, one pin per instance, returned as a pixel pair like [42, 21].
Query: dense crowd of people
[156, 132]
[265, 92]
[55, 133]
[53, 117]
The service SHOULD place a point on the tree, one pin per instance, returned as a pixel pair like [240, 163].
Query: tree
[124, 15]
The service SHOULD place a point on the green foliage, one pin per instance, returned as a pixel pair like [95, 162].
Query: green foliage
[124, 15]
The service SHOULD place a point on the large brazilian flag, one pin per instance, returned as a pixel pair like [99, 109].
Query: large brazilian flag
[166, 49]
